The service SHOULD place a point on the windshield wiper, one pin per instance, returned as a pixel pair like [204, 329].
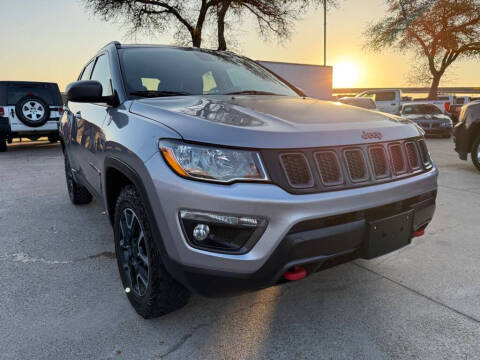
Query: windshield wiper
[252, 92]
[158, 93]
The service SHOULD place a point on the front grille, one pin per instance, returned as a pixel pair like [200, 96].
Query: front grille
[329, 167]
[398, 161]
[311, 170]
[297, 170]
[412, 155]
[379, 161]
[356, 165]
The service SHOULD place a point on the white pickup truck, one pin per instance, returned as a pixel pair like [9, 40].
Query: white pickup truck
[391, 100]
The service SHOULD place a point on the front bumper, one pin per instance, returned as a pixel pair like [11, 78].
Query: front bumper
[438, 131]
[279, 248]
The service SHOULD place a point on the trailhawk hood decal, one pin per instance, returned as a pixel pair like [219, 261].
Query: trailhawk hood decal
[272, 121]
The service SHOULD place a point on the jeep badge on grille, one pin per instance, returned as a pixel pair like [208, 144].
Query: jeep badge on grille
[366, 135]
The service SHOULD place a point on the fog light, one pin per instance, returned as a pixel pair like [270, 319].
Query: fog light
[201, 232]
[222, 232]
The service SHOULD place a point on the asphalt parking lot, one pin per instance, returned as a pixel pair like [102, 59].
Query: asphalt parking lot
[61, 296]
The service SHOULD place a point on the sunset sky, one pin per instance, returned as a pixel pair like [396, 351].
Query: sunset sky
[51, 40]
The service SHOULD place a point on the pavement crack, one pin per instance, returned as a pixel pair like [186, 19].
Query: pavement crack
[418, 293]
[21, 257]
[105, 254]
[187, 336]
[25, 258]
[183, 340]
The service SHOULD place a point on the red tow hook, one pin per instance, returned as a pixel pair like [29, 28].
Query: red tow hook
[419, 233]
[295, 273]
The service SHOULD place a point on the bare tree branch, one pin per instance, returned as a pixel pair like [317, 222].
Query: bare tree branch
[440, 31]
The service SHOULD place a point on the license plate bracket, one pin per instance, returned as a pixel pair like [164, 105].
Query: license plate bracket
[388, 234]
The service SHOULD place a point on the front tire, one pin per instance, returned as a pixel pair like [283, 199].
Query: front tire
[150, 289]
[78, 194]
[476, 152]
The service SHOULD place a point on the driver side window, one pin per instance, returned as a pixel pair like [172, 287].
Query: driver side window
[101, 73]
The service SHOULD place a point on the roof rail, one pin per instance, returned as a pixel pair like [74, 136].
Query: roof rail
[116, 43]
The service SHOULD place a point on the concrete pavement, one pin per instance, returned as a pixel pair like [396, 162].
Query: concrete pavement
[61, 296]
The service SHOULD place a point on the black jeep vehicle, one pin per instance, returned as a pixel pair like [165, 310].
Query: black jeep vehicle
[29, 110]
[467, 133]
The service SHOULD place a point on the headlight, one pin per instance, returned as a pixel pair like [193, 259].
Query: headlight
[212, 163]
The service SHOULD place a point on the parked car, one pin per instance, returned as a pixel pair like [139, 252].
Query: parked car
[429, 117]
[443, 102]
[220, 178]
[462, 100]
[386, 100]
[391, 100]
[366, 103]
[467, 133]
[29, 110]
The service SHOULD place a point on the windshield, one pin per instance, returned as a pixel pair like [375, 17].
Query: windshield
[365, 103]
[421, 109]
[158, 71]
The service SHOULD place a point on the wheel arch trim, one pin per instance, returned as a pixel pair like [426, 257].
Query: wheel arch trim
[135, 178]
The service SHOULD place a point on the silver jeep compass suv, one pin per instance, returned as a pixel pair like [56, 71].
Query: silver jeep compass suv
[219, 177]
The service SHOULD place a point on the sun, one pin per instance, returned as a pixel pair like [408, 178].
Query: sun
[345, 74]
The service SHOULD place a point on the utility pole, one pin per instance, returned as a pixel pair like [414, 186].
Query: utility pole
[324, 32]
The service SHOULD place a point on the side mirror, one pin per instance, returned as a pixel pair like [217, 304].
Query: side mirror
[87, 91]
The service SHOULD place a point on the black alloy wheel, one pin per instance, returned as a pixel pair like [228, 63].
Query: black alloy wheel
[133, 252]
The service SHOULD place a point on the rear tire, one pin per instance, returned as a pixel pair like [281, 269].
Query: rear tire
[3, 145]
[476, 153]
[78, 194]
[149, 287]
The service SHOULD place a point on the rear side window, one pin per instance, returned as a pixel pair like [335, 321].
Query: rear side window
[101, 73]
[385, 96]
[17, 92]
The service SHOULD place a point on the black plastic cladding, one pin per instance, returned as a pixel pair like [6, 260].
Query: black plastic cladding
[369, 155]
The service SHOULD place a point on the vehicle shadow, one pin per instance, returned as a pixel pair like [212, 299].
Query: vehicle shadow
[26, 146]
[331, 310]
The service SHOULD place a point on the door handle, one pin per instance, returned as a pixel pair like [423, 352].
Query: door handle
[78, 115]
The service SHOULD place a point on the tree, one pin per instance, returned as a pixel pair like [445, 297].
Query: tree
[273, 16]
[438, 31]
[189, 15]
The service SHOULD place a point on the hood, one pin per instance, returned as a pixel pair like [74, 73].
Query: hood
[272, 121]
[422, 117]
